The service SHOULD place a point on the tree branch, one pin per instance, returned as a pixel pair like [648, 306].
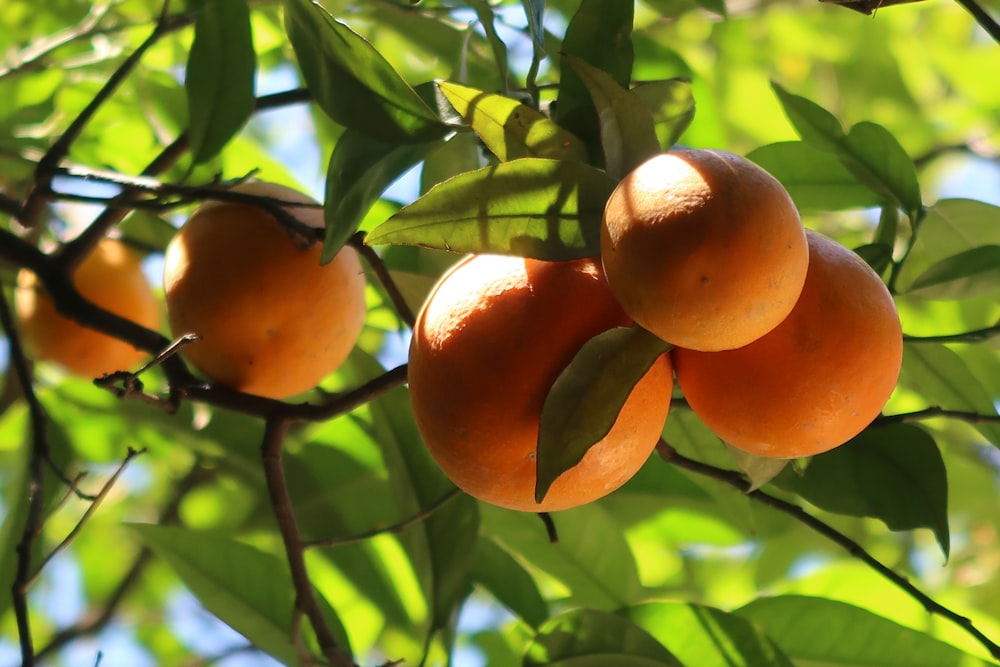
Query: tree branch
[737, 481]
[382, 273]
[983, 18]
[281, 501]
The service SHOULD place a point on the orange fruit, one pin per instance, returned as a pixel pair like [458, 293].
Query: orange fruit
[815, 381]
[703, 248]
[273, 320]
[491, 339]
[112, 278]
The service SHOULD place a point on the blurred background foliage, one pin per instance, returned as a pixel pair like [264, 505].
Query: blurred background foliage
[924, 71]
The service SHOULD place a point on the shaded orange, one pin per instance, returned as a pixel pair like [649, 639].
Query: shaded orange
[273, 320]
[703, 248]
[488, 344]
[110, 277]
[815, 381]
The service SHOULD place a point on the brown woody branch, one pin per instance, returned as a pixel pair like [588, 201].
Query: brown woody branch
[738, 482]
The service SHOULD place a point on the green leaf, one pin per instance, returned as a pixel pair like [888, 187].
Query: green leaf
[592, 562]
[534, 10]
[894, 473]
[487, 19]
[546, 209]
[672, 105]
[628, 135]
[868, 151]
[815, 125]
[829, 632]
[590, 633]
[706, 637]
[499, 572]
[600, 34]
[510, 129]
[759, 470]
[219, 77]
[951, 226]
[360, 170]
[248, 589]
[584, 401]
[816, 179]
[942, 378]
[717, 6]
[147, 230]
[968, 274]
[875, 157]
[351, 81]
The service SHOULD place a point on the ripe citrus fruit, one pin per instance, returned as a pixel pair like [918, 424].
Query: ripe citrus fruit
[488, 344]
[112, 278]
[273, 320]
[703, 248]
[815, 381]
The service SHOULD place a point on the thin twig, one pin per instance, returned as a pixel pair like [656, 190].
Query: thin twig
[34, 55]
[395, 529]
[382, 273]
[101, 495]
[49, 162]
[272, 450]
[737, 481]
[36, 487]
[935, 411]
[983, 18]
[550, 527]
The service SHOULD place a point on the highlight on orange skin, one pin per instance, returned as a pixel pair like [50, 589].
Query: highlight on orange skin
[704, 249]
[488, 345]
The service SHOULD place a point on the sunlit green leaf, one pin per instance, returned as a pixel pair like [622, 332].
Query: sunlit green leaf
[707, 637]
[872, 154]
[584, 402]
[966, 275]
[220, 76]
[352, 82]
[546, 209]
[360, 170]
[829, 632]
[249, 590]
[815, 125]
[894, 473]
[816, 179]
[588, 632]
[510, 129]
[628, 135]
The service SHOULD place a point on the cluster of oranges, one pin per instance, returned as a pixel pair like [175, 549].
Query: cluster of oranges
[784, 343]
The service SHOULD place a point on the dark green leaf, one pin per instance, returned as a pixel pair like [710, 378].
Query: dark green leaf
[825, 631]
[461, 153]
[360, 170]
[588, 632]
[584, 402]
[546, 209]
[498, 571]
[352, 82]
[486, 19]
[706, 637]
[966, 275]
[942, 378]
[534, 10]
[628, 135]
[219, 77]
[147, 230]
[875, 157]
[510, 129]
[894, 473]
[815, 125]
[452, 535]
[672, 105]
[816, 179]
[249, 590]
[599, 33]
[876, 255]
